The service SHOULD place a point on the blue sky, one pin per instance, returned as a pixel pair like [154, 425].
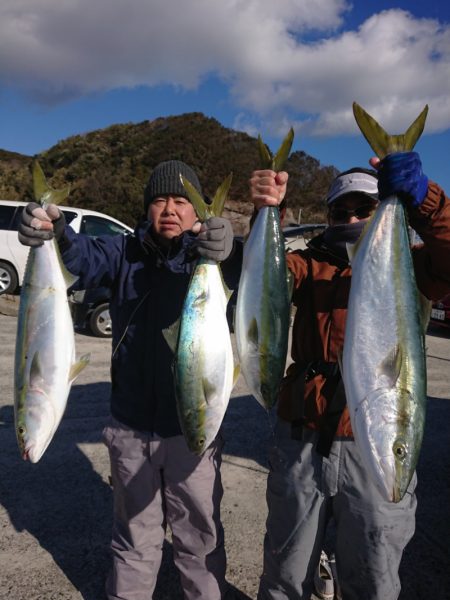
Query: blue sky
[255, 65]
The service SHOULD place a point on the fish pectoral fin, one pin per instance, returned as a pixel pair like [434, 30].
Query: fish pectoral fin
[77, 367]
[252, 332]
[69, 278]
[226, 289]
[391, 366]
[208, 389]
[228, 293]
[171, 335]
[36, 377]
[236, 373]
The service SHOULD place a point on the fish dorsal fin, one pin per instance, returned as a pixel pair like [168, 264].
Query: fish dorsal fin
[171, 335]
[43, 193]
[391, 366]
[252, 333]
[380, 141]
[268, 161]
[77, 367]
[203, 209]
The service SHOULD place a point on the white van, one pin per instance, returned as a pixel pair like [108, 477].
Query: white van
[13, 254]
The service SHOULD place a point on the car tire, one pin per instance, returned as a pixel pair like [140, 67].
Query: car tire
[100, 321]
[8, 278]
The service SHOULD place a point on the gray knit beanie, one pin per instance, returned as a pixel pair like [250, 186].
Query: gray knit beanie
[165, 180]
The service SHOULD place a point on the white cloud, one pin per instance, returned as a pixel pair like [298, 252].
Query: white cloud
[392, 65]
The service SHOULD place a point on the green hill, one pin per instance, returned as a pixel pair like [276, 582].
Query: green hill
[108, 168]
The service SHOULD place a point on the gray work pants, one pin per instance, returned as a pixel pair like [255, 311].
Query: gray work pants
[303, 491]
[156, 482]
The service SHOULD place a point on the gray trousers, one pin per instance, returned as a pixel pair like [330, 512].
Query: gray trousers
[157, 482]
[303, 491]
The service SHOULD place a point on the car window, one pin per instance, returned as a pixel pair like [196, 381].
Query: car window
[94, 226]
[69, 216]
[6, 214]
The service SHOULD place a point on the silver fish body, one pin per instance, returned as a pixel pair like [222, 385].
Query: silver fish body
[203, 365]
[45, 351]
[384, 367]
[262, 308]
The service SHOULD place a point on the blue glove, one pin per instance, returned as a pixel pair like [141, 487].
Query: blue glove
[400, 174]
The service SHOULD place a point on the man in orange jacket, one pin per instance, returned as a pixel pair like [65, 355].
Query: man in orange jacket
[316, 469]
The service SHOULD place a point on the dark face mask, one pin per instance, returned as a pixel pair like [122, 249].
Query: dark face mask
[336, 237]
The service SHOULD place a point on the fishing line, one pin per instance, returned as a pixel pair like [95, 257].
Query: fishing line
[129, 323]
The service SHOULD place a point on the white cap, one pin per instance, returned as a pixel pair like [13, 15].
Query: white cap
[359, 182]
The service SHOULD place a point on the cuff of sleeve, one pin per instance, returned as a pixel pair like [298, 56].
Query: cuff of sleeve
[65, 241]
[420, 216]
[431, 201]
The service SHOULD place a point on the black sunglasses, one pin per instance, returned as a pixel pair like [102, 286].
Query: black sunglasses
[343, 214]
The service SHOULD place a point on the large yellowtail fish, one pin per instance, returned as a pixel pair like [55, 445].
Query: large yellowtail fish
[203, 363]
[45, 365]
[262, 308]
[384, 354]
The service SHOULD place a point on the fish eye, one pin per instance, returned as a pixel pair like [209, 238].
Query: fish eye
[400, 450]
[21, 430]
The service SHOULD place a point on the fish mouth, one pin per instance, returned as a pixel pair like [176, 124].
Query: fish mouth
[34, 456]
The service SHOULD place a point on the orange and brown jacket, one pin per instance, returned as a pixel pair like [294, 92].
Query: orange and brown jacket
[321, 290]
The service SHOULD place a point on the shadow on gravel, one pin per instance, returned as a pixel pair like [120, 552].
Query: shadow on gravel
[67, 506]
[61, 500]
[438, 331]
[424, 570]
[247, 429]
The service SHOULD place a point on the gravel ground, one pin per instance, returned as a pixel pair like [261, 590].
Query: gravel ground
[55, 516]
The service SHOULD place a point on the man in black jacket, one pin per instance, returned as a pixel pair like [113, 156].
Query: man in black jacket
[156, 479]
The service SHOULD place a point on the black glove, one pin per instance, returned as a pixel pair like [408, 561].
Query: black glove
[400, 174]
[215, 240]
[30, 235]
